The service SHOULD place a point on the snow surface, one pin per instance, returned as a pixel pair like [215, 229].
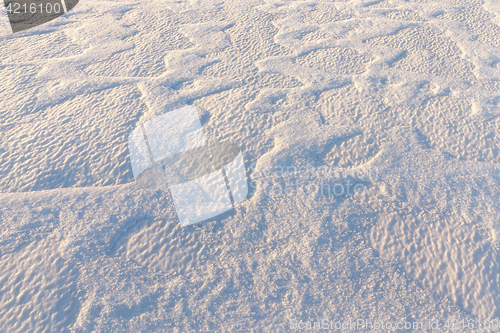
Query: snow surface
[406, 89]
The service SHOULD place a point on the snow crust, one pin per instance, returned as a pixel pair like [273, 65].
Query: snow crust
[407, 90]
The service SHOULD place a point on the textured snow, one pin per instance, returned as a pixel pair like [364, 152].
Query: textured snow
[409, 89]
